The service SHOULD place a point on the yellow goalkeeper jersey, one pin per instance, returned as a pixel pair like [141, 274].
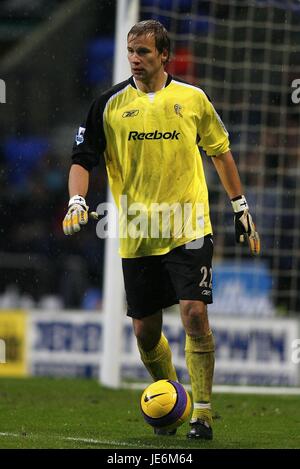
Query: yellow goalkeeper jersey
[151, 142]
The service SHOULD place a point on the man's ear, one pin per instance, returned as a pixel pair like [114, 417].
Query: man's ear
[165, 56]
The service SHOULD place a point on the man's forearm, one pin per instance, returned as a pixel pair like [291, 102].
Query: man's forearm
[228, 173]
[78, 181]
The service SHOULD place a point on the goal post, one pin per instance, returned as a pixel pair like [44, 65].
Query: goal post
[113, 298]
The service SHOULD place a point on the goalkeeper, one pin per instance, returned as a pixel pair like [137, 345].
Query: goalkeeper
[149, 129]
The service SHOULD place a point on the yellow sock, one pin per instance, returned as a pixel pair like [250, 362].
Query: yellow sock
[158, 361]
[200, 360]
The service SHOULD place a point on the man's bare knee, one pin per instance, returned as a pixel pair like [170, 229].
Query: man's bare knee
[148, 330]
[194, 317]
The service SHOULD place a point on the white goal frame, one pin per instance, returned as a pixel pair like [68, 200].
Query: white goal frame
[113, 304]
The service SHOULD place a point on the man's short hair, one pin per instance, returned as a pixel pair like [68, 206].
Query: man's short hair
[162, 40]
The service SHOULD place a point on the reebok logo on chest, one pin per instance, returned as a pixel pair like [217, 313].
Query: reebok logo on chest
[156, 135]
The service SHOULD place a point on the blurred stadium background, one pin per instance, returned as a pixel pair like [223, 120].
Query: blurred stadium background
[55, 57]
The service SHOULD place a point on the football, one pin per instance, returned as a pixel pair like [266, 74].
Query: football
[165, 404]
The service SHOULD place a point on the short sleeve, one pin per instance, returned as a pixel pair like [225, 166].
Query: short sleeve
[90, 140]
[213, 135]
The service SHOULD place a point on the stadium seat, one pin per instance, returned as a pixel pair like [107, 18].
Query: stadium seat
[199, 26]
[22, 155]
[182, 5]
[100, 52]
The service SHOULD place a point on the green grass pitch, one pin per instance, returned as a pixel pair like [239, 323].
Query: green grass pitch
[74, 413]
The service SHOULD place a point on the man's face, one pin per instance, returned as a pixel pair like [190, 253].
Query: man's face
[144, 59]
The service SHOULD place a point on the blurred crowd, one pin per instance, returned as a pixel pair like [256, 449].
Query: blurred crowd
[48, 94]
[39, 259]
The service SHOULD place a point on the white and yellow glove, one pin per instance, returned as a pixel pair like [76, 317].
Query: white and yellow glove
[244, 226]
[76, 216]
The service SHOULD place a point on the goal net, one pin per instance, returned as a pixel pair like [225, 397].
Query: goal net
[245, 55]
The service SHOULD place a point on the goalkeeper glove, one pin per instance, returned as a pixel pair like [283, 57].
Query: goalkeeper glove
[76, 216]
[244, 226]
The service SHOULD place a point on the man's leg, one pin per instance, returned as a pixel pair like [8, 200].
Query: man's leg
[149, 288]
[155, 352]
[199, 351]
[154, 347]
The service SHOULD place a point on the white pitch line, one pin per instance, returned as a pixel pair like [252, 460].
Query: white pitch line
[10, 434]
[82, 440]
[103, 442]
[267, 390]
